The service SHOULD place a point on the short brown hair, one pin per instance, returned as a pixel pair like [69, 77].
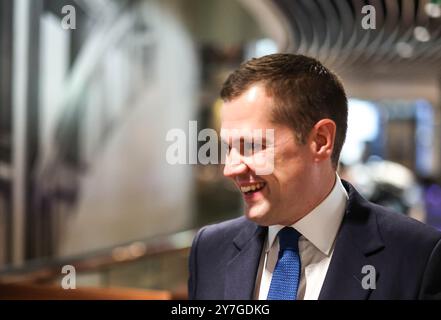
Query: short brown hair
[304, 92]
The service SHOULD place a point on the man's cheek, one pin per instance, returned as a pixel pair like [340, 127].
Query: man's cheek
[263, 163]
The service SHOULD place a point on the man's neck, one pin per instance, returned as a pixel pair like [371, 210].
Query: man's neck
[321, 192]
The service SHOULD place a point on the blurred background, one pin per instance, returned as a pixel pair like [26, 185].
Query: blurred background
[90, 88]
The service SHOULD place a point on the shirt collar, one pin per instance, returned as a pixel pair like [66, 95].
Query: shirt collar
[321, 225]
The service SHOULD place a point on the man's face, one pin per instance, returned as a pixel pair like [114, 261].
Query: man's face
[280, 196]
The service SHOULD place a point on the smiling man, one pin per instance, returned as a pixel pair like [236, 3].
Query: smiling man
[306, 234]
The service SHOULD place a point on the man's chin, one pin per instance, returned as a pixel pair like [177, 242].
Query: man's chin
[258, 216]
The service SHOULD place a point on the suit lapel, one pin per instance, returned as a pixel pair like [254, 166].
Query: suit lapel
[242, 268]
[357, 241]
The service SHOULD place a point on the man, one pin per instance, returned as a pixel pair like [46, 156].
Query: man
[306, 234]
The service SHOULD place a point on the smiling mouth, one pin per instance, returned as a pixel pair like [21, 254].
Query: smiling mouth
[252, 188]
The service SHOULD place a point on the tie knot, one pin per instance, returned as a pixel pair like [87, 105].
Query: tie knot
[289, 239]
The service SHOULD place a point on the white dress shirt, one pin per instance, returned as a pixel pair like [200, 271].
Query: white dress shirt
[319, 229]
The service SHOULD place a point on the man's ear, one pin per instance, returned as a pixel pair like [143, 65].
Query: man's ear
[321, 139]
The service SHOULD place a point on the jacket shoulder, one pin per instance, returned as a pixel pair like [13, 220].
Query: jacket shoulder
[225, 229]
[212, 248]
[399, 227]
[395, 228]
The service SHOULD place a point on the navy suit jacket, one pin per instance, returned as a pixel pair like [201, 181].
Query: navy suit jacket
[405, 253]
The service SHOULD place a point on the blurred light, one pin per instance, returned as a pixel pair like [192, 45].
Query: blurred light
[421, 34]
[395, 174]
[265, 46]
[404, 49]
[424, 137]
[121, 254]
[260, 48]
[363, 126]
[137, 249]
[433, 10]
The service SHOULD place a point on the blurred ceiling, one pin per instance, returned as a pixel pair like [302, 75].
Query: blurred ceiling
[406, 41]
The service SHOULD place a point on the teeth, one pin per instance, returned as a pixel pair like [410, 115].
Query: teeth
[252, 187]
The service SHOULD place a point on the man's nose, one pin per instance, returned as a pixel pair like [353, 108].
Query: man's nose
[234, 165]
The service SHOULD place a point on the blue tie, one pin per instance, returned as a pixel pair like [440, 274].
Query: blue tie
[286, 275]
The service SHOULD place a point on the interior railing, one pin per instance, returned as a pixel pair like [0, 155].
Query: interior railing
[151, 268]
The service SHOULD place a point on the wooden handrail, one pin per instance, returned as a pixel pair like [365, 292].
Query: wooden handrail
[129, 252]
[34, 292]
